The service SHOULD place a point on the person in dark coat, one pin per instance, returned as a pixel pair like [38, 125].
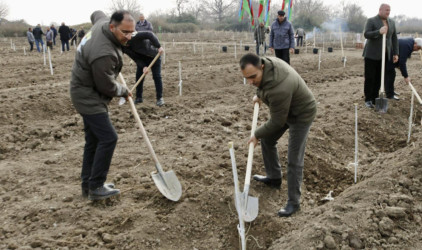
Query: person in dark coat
[81, 34]
[142, 48]
[54, 34]
[143, 24]
[282, 38]
[375, 27]
[73, 36]
[406, 47]
[64, 32]
[37, 31]
[93, 84]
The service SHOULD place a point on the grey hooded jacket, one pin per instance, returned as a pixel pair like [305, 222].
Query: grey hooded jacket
[98, 62]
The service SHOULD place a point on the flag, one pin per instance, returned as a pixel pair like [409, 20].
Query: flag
[267, 11]
[287, 7]
[241, 11]
[251, 13]
[260, 10]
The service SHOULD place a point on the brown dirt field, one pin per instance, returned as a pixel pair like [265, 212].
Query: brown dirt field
[42, 142]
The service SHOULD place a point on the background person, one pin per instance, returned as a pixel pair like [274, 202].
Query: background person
[49, 36]
[64, 32]
[54, 33]
[142, 48]
[406, 47]
[300, 34]
[292, 107]
[282, 38]
[259, 36]
[81, 34]
[38, 37]
[98, 61]
[375, 27]
[143, 24]
[31, 39]
[73, 36]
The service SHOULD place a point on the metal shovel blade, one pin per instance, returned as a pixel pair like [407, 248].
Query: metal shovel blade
[168, 184]
[250, 212]
[381, 104]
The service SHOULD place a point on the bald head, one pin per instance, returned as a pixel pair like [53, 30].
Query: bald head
[384, 11]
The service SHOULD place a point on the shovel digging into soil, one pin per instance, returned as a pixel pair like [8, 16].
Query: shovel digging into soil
[248, 204]
[166, 182]
[381, 103]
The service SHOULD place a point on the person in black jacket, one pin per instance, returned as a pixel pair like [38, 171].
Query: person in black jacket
[406, 47]
[81, 34]
[73, 36]
[142, 48]
[54, 34]
[37, 31]
[64, 32]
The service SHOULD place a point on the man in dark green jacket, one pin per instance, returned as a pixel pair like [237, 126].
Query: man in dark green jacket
[375, 27]
[98, 62]
[292, 106]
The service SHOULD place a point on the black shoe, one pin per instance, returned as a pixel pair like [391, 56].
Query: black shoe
[276, 183]
[85, 190]
[160, 102]
[102, 193]
[139, 100]
[394, 98]
[396, 93]
[288, 210]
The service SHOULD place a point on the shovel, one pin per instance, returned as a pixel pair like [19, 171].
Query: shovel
[381, 103]
[237, 198]
[166, 182]
[249, 204]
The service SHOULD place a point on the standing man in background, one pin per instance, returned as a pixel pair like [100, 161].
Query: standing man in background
[375, 27]
[81, 34]
[54, 33]
[31, 39]
[38, 37]
[64, 32]
[98, 62]
[282, 38]
[49, 36]
[143, 24]
[259, 36]
[300, 33]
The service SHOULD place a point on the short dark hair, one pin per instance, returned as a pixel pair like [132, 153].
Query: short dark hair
[250, 58]
[120, 15]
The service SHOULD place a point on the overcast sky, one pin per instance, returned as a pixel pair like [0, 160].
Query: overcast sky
[79, 11]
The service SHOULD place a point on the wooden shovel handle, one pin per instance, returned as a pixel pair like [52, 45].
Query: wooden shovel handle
[383, 63]
[143, 75]
[251, 145]
[415, 92]
[141, 126]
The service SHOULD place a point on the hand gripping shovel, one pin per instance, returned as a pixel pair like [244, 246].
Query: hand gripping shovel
[166, 182]
[249, 204]
[381, 103]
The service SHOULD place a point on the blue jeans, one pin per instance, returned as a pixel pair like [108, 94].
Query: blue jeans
[100, 142]
[67, 44]
[298, 134]
[156, 75]
[37, 43]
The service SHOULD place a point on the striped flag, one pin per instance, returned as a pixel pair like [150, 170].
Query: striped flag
[287, 7]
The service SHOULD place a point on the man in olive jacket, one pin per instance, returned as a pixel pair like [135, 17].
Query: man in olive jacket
[292, 106]
[93, 84]
[375, 27]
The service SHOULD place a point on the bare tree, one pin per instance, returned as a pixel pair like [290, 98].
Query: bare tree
[180, 6]
[195, 8]
[130, 5]
[219, 8]
[4, 10]
[309, 13]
